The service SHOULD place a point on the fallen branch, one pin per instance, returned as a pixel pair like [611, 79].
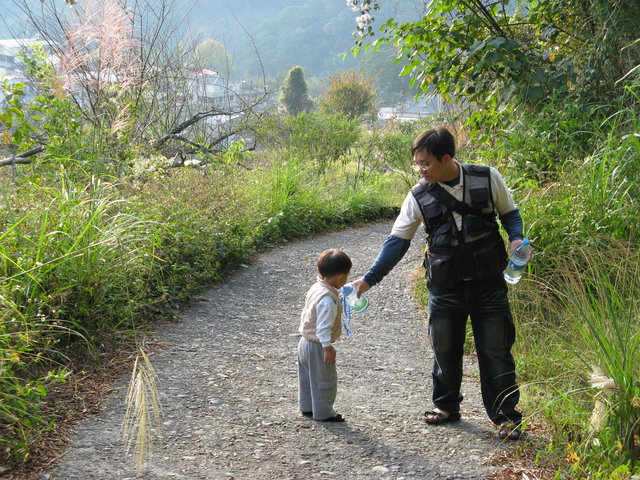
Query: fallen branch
[21, 158]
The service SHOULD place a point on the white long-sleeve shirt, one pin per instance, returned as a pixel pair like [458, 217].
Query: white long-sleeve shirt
[410, 216]
[326, 313]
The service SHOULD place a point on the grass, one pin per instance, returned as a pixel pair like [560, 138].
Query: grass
[579, 351]
[142, 418]
[83, 261]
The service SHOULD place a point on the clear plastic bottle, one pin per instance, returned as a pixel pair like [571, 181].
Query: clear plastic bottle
[517, 262]
[358, 305]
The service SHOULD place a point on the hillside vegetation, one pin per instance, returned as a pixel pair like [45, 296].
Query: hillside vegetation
[552, 100]
[100, 235]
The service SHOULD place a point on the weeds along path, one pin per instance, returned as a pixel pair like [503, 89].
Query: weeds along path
[228, 386]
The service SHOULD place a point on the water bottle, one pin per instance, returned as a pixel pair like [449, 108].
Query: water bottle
[517, 262]
[358, 305]
[351, 303]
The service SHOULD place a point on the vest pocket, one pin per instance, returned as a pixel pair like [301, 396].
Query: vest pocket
[479, 197]
[474, 225]
[440, 269]
[489, 260]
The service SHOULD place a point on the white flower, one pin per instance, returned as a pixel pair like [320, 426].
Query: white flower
[364, 20]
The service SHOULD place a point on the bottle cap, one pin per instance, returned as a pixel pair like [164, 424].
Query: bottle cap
[346, 290]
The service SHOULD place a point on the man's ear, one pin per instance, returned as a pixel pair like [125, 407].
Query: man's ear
[446, 158]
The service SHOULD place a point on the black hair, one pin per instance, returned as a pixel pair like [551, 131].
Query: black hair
[333, 262]
[436, 141]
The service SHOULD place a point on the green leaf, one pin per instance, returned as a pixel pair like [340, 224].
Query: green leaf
[535, 93]
[477, 46]
[406, 70]
[497, 42]
[540, 76]
[491, 58]
[6, 119]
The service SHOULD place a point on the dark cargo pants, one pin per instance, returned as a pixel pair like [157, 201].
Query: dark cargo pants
[486, 302]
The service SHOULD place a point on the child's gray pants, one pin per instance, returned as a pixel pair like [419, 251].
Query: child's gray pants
[318, 381]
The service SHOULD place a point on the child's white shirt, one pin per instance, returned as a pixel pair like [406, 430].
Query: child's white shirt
[326, 314]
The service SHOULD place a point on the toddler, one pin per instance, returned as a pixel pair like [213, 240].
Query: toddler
[320, 326]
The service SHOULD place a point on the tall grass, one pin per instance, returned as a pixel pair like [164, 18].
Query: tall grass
[65, 253]
[599, 290]
[83, 261]
[144, 411]
[578, 311]
[578, 325]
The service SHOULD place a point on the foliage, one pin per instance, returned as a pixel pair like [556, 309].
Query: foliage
[16, 127]
[579, 305]
[133, 85]
[65, 251]
[351, 94]
[294, 96]
[49, 117]
[506, 53]
[581, 355]
[82, 260]
[213, 55]
[322, 139]
[603, 184]
[53, 112]
[381, 63]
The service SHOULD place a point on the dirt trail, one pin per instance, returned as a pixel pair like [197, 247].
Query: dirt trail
[227, 379]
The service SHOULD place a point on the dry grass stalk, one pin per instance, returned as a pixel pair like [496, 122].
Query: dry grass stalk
[142, 418]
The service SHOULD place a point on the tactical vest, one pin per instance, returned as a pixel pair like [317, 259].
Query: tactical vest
[477, 251]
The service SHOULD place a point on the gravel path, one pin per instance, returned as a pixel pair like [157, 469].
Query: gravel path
[227, 380]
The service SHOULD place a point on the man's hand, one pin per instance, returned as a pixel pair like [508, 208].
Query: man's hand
[360, 286]
[329, 354]
[515, 244]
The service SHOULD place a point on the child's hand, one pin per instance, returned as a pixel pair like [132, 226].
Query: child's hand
[329, 354]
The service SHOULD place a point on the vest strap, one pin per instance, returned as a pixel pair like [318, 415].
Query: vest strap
[451, 202]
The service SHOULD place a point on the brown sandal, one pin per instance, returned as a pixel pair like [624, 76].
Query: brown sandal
[433, 417]
[510, 430]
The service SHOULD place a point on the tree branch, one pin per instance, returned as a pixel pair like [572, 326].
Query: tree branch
[21, 158]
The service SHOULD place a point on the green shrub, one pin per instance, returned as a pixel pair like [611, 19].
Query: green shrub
[321, 139]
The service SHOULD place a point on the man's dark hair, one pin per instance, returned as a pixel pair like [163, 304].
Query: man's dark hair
[436, 141]
[333, 262]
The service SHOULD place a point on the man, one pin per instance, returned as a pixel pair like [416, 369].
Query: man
[458, 203]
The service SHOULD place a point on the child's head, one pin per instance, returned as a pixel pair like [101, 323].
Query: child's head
[334, 266]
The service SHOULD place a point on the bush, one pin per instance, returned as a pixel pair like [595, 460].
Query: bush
[82, 260]
[321, 139]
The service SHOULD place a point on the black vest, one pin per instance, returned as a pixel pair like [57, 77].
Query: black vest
[477, 251]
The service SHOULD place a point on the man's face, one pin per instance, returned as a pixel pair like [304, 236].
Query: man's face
[430, 168]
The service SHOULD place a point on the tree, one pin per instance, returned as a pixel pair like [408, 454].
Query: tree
[350, 93]
[213, 55]
[381, 64]
[497, 51]
[132, 79]
[295, 93]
